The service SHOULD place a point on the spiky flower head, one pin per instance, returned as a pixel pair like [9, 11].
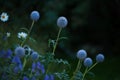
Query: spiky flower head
[88, 62]
[100, 58]
[62, 22]
[34, 56]
[20, 51]
[81, 54]
[35, 15]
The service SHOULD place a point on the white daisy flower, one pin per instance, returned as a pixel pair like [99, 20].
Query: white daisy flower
[8, 34]
[22, 35]
[4, 17]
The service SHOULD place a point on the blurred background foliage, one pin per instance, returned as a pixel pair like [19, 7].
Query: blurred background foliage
[93, 26]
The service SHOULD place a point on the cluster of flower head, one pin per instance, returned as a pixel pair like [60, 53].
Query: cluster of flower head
[18, 59]
[17, 62]
[23, 63]
[82, 55]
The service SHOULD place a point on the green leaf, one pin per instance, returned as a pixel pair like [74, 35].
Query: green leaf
[78, 75]
[25, 29]
[33, 40]
[62, 75]
[90, 76]
[63, 38]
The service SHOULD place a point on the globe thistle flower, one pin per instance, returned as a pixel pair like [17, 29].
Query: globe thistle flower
[88, 62]
[34, 56]
[20, 51]
[81, 54]
[34, 15]
[62, 22]
[4, 17]
[100, 58]
[22, 35]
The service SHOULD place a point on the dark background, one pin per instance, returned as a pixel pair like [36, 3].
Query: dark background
[93, 26]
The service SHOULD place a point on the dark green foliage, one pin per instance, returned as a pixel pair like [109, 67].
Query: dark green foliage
[78, 76]
[94, 26]
[62, 75]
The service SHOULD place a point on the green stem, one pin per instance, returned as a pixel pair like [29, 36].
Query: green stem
[30, 74]
[77, 69]
[28, 33]
[54, 47]
[92, 66]
[86, 70]
[24, 63]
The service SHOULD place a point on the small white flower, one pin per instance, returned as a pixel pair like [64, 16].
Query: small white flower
[8, 34]
[4, 17]
[22, 35]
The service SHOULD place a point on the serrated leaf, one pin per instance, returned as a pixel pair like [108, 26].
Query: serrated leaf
[62, 61]
[62, 75]
[90, 75]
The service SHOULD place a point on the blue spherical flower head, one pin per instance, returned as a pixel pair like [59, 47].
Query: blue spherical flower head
[35, 15]
[20, 51]
[81, 54]
[100, 58]
[88, 62]
[34, 56]
[62, 22]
